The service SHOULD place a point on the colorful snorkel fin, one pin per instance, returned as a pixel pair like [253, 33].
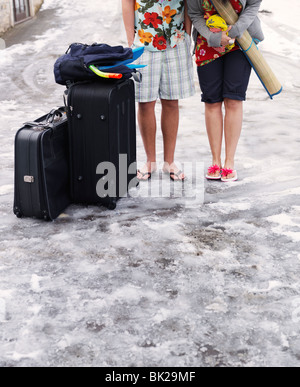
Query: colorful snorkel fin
[103, 74]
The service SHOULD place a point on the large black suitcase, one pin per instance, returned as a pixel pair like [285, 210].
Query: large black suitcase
[102, 137]
[42, 182]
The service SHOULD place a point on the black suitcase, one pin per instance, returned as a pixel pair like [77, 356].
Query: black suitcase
[102, 137]
[42, 182]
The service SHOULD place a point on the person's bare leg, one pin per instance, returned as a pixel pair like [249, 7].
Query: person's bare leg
[147, 125]
[169, 126]
[233, 129]
[214, 127]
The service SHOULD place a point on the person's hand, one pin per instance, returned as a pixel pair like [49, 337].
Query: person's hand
[130, 42]
[130, 38]
[226, 40]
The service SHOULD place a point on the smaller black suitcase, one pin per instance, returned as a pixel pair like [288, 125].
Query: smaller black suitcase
[42, 181]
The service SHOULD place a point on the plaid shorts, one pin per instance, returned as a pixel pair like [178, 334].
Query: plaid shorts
[169, 74]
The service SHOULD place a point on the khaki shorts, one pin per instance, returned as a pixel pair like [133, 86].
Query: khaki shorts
[169, 74]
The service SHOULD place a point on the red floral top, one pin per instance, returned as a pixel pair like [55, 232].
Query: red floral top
[205, 54]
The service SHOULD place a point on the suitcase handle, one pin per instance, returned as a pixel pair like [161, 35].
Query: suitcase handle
[51, 116]
[49, 121]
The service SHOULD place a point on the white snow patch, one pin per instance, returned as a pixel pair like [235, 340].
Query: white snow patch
[6, 293]
[6, 189]
[35, 283]
[128, 293]
[272, 285]
[9, 105]
[218, 306]
[296, 311]
[227, 208]
[2, 310]
[288, 192]
[284, 222]
[166, 229]
[269, 326]
[162, 315]
[35, 309]
[282, 219]
[66, 341]
[116, 229]
[18, 356]
[284, 341]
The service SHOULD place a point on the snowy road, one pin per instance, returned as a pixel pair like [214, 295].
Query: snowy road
[158, 282]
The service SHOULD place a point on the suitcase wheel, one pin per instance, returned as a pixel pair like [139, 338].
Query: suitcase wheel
[46, 216]
[18, 213]
[112, 206]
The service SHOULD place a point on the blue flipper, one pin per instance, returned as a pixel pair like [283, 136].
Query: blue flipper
[137, 52]
[136, 66]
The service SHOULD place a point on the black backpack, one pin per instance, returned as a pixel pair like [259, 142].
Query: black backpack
[74, 65]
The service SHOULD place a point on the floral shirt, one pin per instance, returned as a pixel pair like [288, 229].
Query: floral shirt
[159, 23]
[204, 53]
